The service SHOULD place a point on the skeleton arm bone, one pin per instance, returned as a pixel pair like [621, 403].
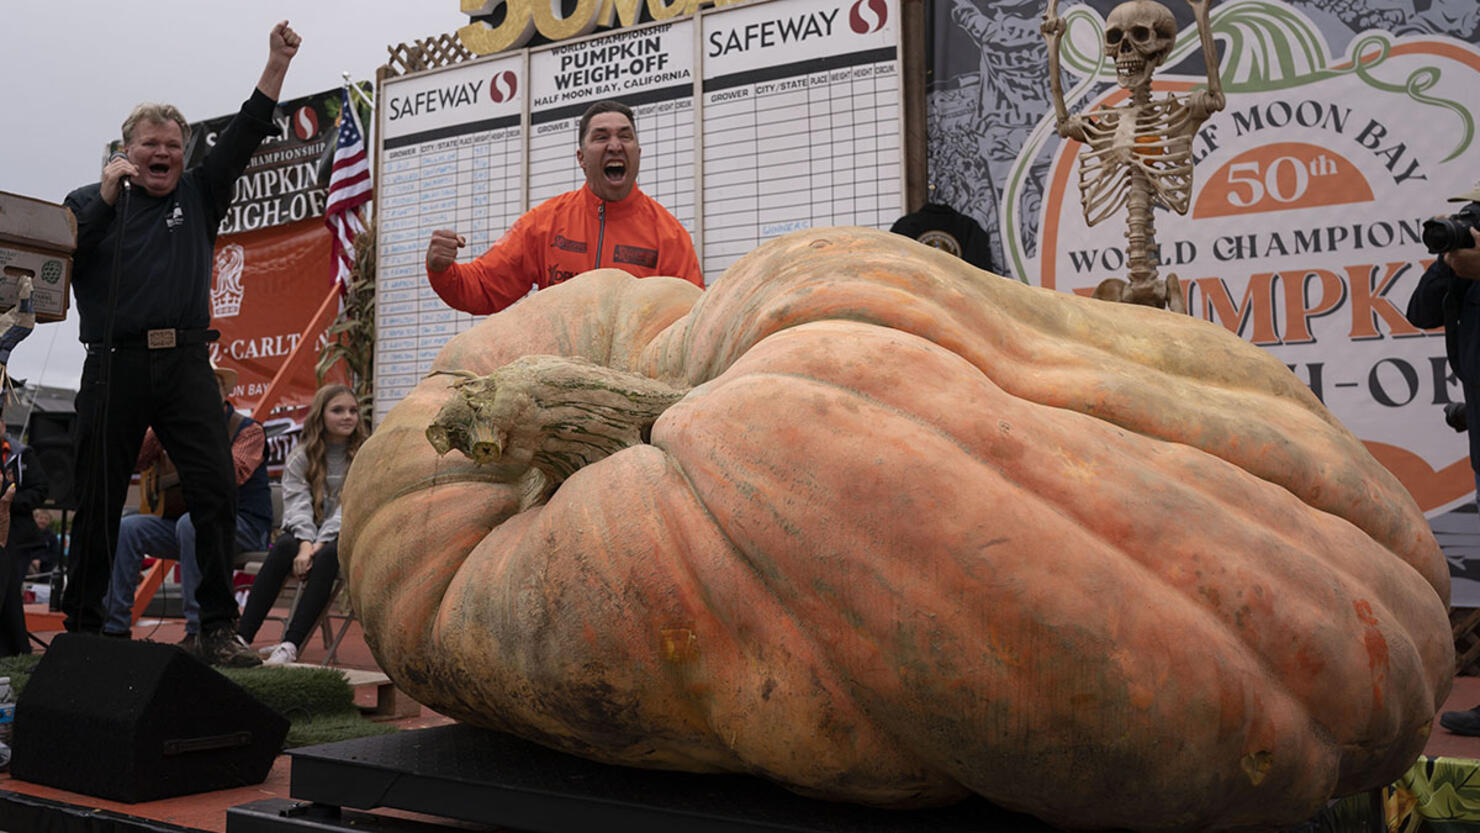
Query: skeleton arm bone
[1206, 102]
[1070, 127]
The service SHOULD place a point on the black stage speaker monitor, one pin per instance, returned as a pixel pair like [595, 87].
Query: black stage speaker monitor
[51, 437]
[138, 721]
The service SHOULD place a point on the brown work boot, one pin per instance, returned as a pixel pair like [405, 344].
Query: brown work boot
[190, 644]
[221, 646]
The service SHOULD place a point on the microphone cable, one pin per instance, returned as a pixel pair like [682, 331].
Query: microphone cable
[102, 408]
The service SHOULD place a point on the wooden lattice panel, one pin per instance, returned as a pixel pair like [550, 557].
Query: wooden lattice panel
[1465, 621]
[427, 53]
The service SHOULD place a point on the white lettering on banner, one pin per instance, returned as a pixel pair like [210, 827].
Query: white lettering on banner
[243, 349]
[279, 446]
[284, 133]
[294, 154]
[272, 182]
[290, 208]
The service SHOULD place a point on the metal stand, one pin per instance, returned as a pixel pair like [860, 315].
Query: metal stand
[469, 775]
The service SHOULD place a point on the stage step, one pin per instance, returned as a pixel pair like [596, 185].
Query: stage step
[390, 702]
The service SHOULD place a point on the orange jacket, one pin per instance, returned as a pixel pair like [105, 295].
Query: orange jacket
[565, 236]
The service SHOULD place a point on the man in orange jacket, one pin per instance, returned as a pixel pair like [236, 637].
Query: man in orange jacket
[607, 223]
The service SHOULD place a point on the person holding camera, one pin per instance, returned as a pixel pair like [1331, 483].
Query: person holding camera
[1443, 298]
[1447, 296]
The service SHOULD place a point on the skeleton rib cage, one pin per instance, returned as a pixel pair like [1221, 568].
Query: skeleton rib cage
[1160, 146]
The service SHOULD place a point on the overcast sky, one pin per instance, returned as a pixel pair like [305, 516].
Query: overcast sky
[72, 69]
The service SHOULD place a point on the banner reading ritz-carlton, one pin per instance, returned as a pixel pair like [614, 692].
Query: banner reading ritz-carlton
[1348, 123]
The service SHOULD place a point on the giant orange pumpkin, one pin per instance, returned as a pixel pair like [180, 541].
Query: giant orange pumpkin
[904, 532]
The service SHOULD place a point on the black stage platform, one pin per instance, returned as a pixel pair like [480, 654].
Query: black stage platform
[469, 775]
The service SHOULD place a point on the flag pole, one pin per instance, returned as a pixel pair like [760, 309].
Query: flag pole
[318, 324]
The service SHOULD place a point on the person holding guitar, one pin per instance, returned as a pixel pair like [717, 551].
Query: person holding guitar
[169, 534]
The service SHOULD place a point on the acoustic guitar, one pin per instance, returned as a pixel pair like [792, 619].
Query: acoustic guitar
[159, 490]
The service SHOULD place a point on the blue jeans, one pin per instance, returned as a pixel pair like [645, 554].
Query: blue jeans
[141, 535]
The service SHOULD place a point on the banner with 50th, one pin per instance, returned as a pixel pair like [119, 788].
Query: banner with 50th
[1347, 124]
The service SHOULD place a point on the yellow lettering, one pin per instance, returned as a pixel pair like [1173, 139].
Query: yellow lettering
[582, 19]
[516, 30]
[626, 10]
[665, 10]
[524, 17]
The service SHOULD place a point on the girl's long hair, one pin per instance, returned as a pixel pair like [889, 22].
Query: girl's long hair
[313, 444]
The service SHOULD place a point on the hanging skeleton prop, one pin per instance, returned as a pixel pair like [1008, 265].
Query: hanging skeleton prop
[1137, 155]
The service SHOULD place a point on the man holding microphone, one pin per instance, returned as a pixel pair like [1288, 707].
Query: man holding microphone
[142, 279]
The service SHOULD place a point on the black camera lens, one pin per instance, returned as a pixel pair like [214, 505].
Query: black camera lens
[1446, 234]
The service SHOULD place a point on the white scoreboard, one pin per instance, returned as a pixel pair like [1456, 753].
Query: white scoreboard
[755, 120]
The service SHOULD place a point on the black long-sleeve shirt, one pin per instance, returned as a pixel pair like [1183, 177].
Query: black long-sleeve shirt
[1443, 298]
[168, 241]
[23, 467]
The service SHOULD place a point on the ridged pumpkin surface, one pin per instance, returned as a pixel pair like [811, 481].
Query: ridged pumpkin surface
[919, 531]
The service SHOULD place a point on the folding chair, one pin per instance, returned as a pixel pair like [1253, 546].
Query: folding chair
[324, 624]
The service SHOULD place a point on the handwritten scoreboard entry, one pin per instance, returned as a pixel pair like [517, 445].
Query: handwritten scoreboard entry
[451, 156]
[755, 120]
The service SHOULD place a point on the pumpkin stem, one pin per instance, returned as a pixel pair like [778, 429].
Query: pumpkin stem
[550, 413]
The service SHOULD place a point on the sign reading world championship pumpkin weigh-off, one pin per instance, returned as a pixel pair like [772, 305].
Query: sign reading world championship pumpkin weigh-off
[755, 120]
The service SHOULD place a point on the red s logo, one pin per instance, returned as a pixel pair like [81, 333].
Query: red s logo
[305, 123]
[868, 16]
[503, 87]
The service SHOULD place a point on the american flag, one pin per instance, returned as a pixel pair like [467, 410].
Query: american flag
[349, 188]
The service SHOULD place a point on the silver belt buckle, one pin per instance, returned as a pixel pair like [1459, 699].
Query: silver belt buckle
[160, 339]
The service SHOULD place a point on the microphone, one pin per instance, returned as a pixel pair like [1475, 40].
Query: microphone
[128, 184]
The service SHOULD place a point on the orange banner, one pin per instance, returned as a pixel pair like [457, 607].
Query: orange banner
[265, 288]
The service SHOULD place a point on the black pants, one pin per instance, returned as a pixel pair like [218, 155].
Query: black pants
[174, 391]
[269, 583]
[13, 636]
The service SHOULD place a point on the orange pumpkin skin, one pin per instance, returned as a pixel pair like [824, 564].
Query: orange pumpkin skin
[916, 532]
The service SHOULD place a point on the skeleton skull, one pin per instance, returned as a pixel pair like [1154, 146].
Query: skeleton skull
[1138, 37]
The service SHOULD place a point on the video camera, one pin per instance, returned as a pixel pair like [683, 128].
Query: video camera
[1446, 234]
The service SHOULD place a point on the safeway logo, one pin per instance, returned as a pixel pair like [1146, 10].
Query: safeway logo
[305, 123]
[503, 87]
[868, 16]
